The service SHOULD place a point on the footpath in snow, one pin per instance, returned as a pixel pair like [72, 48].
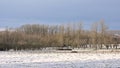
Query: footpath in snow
[59, 60]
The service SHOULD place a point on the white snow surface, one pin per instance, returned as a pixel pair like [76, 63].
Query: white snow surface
[59, 60]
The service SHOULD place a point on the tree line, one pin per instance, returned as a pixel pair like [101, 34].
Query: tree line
[36, 36]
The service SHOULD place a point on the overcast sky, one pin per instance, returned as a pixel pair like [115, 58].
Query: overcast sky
[14, 13]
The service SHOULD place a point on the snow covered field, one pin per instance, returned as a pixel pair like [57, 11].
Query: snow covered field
[59, 60]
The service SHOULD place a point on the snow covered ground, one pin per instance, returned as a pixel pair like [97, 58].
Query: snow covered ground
[59, 60]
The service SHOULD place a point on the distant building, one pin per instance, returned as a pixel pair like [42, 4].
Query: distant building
[115, 35]
[114, 32]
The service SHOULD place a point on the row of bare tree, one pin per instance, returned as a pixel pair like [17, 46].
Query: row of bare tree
[37, 36]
